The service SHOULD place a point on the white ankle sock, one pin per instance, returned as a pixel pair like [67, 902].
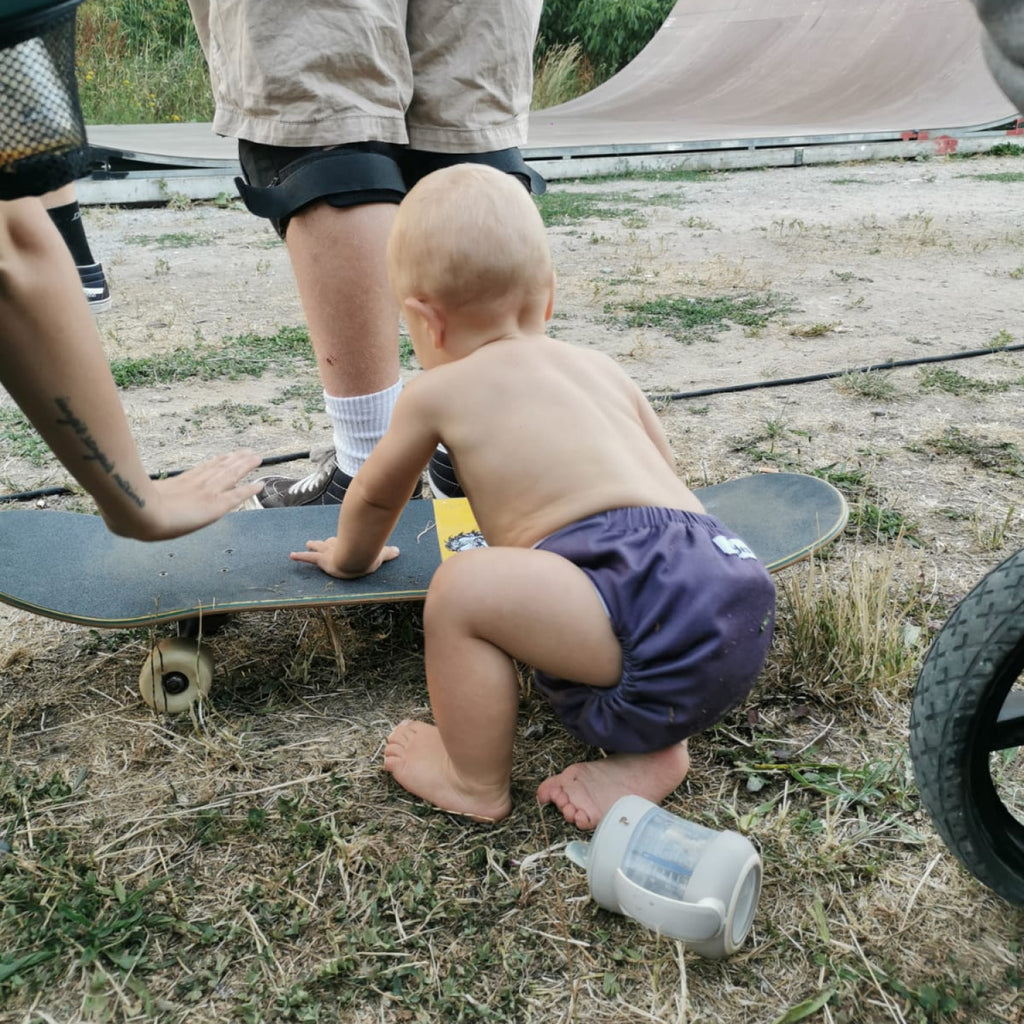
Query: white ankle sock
[359, 423]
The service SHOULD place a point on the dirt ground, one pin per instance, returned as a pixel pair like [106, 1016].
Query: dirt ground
[852, 266]
[860, 264]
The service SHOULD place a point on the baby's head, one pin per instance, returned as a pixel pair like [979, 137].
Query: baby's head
[468, 238]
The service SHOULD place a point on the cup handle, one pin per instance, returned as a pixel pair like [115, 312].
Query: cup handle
[676, 918]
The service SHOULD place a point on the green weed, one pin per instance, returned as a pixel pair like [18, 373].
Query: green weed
[942, 378]
[699, 224]
[248, 355]
[1006, 177]
[991, 536]
[1005, 149]
[687, 320]
[998, 456]
[878, 523]
[171, 240]
[558, 209]
[871, 384]
[309, 395]
[665, 174]
[768, 445]
[23, 439]
[870, 518]
[813, 330]
[235, 414]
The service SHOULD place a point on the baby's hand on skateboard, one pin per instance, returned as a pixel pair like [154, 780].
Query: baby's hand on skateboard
[321, 553]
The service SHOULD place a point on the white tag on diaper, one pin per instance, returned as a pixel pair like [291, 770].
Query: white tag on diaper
[733, 546]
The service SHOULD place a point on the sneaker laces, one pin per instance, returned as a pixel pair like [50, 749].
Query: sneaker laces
[316, 479]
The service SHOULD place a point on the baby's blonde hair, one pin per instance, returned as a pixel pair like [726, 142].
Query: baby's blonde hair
[468, 235]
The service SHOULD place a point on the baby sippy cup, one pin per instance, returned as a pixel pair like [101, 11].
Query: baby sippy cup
[685, 881]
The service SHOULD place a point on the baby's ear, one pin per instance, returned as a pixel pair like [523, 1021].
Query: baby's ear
[431, 315]
[551, 298]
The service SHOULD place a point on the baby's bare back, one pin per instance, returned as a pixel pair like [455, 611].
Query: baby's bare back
[543, 434]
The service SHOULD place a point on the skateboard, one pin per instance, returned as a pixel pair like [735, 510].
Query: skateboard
[68, 566]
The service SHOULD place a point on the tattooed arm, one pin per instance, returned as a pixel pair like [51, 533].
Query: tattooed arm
[53, 365]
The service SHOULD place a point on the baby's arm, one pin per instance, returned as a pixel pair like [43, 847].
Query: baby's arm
[53, 365]
[379, 491]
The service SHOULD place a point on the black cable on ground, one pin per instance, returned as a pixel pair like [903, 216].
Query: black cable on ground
[892, 364]
[676, 396]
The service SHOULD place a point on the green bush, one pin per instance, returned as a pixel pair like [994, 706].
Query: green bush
[159, 27]
[139, 61]
[612, 32]
[557, 26]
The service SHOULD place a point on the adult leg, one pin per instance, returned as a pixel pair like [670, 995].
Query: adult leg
[62, 206]
[338, 260]
[486, 609]
[313, 137]
[337, 256]
[334, 209]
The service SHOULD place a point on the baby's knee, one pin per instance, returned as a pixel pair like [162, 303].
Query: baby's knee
[457, 587]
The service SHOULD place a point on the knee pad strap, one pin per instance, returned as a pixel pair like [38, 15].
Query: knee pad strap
[341, 177]
[417, 163]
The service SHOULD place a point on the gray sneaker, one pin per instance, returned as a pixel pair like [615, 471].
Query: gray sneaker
[326, 485]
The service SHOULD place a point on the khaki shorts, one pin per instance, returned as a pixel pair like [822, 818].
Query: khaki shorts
[439, 75]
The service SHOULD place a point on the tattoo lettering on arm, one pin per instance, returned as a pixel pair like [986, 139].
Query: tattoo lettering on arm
[95, 453]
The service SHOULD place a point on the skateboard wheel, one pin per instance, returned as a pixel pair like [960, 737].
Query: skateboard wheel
[177, 673]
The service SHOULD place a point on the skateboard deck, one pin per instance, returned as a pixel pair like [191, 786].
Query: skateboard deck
[68, 566]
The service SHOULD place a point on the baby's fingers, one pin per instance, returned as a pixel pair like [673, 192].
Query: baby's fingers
[314, 548]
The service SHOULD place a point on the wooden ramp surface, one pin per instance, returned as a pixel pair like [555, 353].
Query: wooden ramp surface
[723, 71]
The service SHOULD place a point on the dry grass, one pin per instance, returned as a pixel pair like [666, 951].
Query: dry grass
[562, 74]
[254, 862]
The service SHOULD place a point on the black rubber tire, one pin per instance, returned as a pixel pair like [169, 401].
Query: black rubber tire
[956, 723]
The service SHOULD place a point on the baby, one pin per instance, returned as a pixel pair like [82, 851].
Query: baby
[644, 619]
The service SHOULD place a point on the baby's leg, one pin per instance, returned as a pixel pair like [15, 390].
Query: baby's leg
[485, 608]
[583, 792]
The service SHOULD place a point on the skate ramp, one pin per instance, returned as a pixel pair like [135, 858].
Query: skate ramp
[733, 73]
[721, 70]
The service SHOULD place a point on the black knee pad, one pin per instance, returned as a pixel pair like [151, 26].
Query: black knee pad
[417, 163]
[282, 180]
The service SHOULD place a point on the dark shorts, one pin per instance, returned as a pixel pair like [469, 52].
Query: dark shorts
[693, 609]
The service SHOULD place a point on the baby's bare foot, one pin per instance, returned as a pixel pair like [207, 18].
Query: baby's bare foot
[416, 757]
[585, 791]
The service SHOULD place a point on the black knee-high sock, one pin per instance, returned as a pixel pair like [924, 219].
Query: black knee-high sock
[68, 219]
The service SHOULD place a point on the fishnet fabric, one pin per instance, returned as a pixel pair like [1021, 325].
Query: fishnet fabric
[42, 133]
